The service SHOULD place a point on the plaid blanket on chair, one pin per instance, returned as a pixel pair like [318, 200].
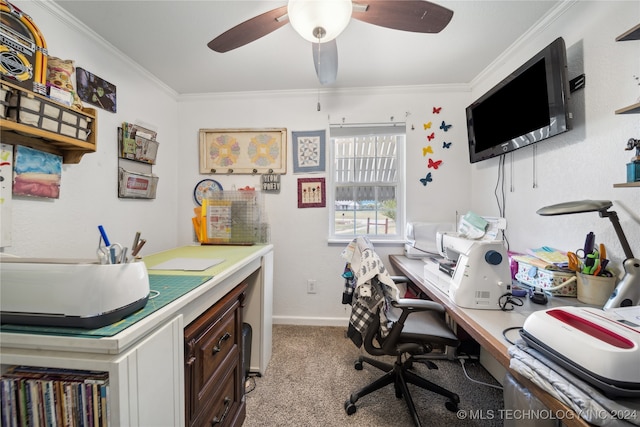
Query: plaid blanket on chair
[364, 288]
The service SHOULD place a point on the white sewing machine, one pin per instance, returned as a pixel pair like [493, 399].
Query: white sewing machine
[481, 275]
[421, 238]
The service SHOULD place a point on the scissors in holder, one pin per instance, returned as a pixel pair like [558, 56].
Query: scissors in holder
[574, 261]
[591, 263]
[580, 253]
[112, 254]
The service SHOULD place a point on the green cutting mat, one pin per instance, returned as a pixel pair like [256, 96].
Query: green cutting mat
[170, 288]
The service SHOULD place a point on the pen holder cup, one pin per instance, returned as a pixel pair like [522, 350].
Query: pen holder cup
[595, 290]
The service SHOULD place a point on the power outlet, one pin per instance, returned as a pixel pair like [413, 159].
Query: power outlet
[311, 286]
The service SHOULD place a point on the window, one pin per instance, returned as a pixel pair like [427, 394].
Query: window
[367, 191]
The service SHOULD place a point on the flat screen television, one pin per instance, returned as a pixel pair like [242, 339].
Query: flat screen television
[530, 105]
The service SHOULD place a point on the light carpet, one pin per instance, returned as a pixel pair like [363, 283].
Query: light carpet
[311, 374]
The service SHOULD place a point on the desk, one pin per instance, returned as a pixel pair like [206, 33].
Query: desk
[145, 361]
[487, 326]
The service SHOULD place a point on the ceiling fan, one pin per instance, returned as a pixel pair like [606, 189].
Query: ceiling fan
[321, 21]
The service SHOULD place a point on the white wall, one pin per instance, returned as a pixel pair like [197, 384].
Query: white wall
[67, 227]
[583, 163]
[300, 235]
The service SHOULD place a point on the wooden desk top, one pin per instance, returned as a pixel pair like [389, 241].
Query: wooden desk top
[487, 326]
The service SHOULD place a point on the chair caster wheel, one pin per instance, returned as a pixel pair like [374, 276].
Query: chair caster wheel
[349, 407]
[451, 406]
[358, 365]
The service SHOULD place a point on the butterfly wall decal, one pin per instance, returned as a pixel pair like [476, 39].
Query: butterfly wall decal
[427, 126]
[426, 179]
[446, 145]
[434, 165]
[430, 137]
[445, 127]
[426, 150]
[436, 110]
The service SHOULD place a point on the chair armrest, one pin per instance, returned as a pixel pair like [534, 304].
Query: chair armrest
[414, 304]
[400, 279]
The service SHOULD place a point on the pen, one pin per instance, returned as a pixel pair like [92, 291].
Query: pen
[104, 236]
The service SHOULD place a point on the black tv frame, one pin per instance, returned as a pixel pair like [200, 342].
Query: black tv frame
[502, 121]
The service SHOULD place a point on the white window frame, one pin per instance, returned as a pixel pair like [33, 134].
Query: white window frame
[365, 130]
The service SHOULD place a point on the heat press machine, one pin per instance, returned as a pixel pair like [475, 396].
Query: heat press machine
[71, 293]
[600, 347]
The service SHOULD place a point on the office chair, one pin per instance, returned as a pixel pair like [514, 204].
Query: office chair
[415, 327]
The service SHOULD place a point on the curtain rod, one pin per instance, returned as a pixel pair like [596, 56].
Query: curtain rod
[367, 124]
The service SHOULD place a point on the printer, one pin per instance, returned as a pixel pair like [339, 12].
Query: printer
[481, 274]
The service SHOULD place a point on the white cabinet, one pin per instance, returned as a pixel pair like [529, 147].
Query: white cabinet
[145, 361]
[152, 394]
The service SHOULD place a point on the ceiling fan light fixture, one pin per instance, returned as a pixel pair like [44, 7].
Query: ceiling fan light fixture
[319, 21]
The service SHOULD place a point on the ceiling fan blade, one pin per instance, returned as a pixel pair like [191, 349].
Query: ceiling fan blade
[325, 59]
[250, 30]
[418, 16]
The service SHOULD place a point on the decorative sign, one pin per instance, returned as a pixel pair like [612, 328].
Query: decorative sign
[271, 183]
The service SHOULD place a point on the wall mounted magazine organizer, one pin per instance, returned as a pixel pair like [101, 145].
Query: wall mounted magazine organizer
[137, 151]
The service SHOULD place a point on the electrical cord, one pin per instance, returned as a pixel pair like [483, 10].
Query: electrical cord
[508, 302]
[476, 381]
[504, 333]
[250, 382]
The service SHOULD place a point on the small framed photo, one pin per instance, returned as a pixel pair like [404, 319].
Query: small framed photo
[308, 151]
[311, 193]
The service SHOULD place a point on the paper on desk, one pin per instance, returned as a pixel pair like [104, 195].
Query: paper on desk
[628, 315]
[188, 264]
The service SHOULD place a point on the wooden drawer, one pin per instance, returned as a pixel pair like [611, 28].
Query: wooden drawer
[227, 406]
[213, 349]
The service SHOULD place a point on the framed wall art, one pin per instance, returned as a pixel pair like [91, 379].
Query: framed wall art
[308, 151]
[36, 173]
[243, 151]
[311, 193]
[95, 90]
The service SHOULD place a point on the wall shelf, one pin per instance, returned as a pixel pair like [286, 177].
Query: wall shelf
[71, 149]
[632, 34]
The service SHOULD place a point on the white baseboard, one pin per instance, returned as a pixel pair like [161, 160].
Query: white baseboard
[310, 321]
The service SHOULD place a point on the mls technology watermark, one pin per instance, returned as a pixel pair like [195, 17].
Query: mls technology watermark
[546, 414]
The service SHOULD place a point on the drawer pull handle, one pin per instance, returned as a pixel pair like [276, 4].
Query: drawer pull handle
[227, 406]
[216, 348]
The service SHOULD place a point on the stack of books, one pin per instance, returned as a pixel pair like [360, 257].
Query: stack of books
[36, 396]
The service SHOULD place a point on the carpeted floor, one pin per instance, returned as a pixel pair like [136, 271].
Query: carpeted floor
[311, 374]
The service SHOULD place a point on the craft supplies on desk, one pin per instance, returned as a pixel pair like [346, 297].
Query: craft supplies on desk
[540, 274]
[230, 218]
